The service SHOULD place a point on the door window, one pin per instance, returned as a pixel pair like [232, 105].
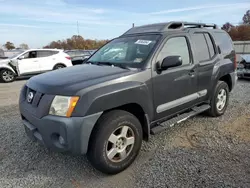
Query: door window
[210, 45]
[176, 46]
[202, 51]
[30, 55]
[43, 54]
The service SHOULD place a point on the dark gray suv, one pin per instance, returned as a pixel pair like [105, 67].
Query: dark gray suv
[147, 80]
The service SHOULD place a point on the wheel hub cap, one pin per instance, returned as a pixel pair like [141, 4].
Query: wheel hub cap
[120, 144]
[221, 99]
[8, 75]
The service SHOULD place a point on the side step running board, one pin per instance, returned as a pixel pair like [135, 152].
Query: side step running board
[180, 118]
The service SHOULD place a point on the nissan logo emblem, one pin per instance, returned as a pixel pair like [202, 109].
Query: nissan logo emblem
[30, 97]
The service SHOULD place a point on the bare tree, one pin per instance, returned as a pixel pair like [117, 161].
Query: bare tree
[9, 45]
[246, 17]
[24, 46]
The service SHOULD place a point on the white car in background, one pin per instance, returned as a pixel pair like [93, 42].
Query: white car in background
[32, 62]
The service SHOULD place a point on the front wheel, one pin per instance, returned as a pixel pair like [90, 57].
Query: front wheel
[116, 142]
[7, 76]
[220, 99]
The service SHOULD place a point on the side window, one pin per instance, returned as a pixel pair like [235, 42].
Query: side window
[201, 47]
[176, 46]
[26, 55]
[224, 42]
[29, 55]
[53, 52]
[41, 54]
[71, 53]
[210, 45]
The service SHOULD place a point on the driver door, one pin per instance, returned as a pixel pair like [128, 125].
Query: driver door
[28, 63]
[176, 88]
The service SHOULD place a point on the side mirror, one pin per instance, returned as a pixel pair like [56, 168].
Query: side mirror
[171, 61]
[20, 58]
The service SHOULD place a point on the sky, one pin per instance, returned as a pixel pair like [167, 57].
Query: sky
[38, 22]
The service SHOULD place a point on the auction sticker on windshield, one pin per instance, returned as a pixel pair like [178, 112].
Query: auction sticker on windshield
[143, 42]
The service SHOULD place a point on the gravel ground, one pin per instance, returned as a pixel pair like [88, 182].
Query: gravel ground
[201, 152]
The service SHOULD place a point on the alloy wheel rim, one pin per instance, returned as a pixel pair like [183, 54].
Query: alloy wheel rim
[7, 75]
[221, 99]
[120, 144]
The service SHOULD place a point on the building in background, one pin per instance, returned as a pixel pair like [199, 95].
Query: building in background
[242, 48]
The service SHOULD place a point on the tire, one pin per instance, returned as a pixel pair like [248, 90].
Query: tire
[108, 130]
[7, 76]
[58, 66]
[221, 91]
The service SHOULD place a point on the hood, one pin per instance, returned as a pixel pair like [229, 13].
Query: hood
[4, 61]
[246, 58]
[68, 81]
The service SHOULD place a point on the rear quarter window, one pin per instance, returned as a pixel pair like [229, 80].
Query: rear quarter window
[54, 52]
[224, 41]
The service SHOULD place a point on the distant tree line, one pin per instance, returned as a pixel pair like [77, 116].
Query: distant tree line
[240, 32]
[77, 42]
[10, 46]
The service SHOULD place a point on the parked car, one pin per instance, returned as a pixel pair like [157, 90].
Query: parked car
[13, 52]
[243, 69]
[2, 55]
[33, 62]
[106, 107]
[78, 56]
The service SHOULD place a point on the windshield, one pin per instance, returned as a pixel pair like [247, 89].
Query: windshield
[133, 50]
[15, 55]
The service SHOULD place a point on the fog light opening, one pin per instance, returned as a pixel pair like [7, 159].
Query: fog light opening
[58, 140]
[62, 141]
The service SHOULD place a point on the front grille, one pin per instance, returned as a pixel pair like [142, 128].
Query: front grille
[247, 66]
[247, 74]
[33, 97]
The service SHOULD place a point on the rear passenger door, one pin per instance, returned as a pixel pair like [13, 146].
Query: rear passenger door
[46, 60]
[205, 59]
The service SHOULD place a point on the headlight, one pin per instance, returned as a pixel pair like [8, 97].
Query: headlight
[63, 106]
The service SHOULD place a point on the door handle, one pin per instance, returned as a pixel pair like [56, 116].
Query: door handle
[192, 73]
[35, 61]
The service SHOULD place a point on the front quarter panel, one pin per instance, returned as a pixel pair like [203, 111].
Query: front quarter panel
[116, 93]
[6, 66]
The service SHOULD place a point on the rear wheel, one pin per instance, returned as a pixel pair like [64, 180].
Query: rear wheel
[59, 66]
[115, 143]
[7, 76]
[220, 99]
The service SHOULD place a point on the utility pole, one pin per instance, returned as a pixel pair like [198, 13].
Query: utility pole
[77, 28]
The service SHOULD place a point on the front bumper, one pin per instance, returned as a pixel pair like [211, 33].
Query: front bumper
[60, 134]
[243, 73]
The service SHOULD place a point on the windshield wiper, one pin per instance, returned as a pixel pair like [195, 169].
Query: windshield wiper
[109, 64]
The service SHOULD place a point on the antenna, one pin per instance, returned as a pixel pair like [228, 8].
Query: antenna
[77, 28]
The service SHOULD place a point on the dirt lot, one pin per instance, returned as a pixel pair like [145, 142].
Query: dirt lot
[201, 152]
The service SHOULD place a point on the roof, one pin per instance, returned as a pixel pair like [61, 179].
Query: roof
[167, 26]
[44, 49]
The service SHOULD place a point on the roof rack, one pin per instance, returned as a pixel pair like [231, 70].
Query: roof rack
[182, 25]
[161, 27]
